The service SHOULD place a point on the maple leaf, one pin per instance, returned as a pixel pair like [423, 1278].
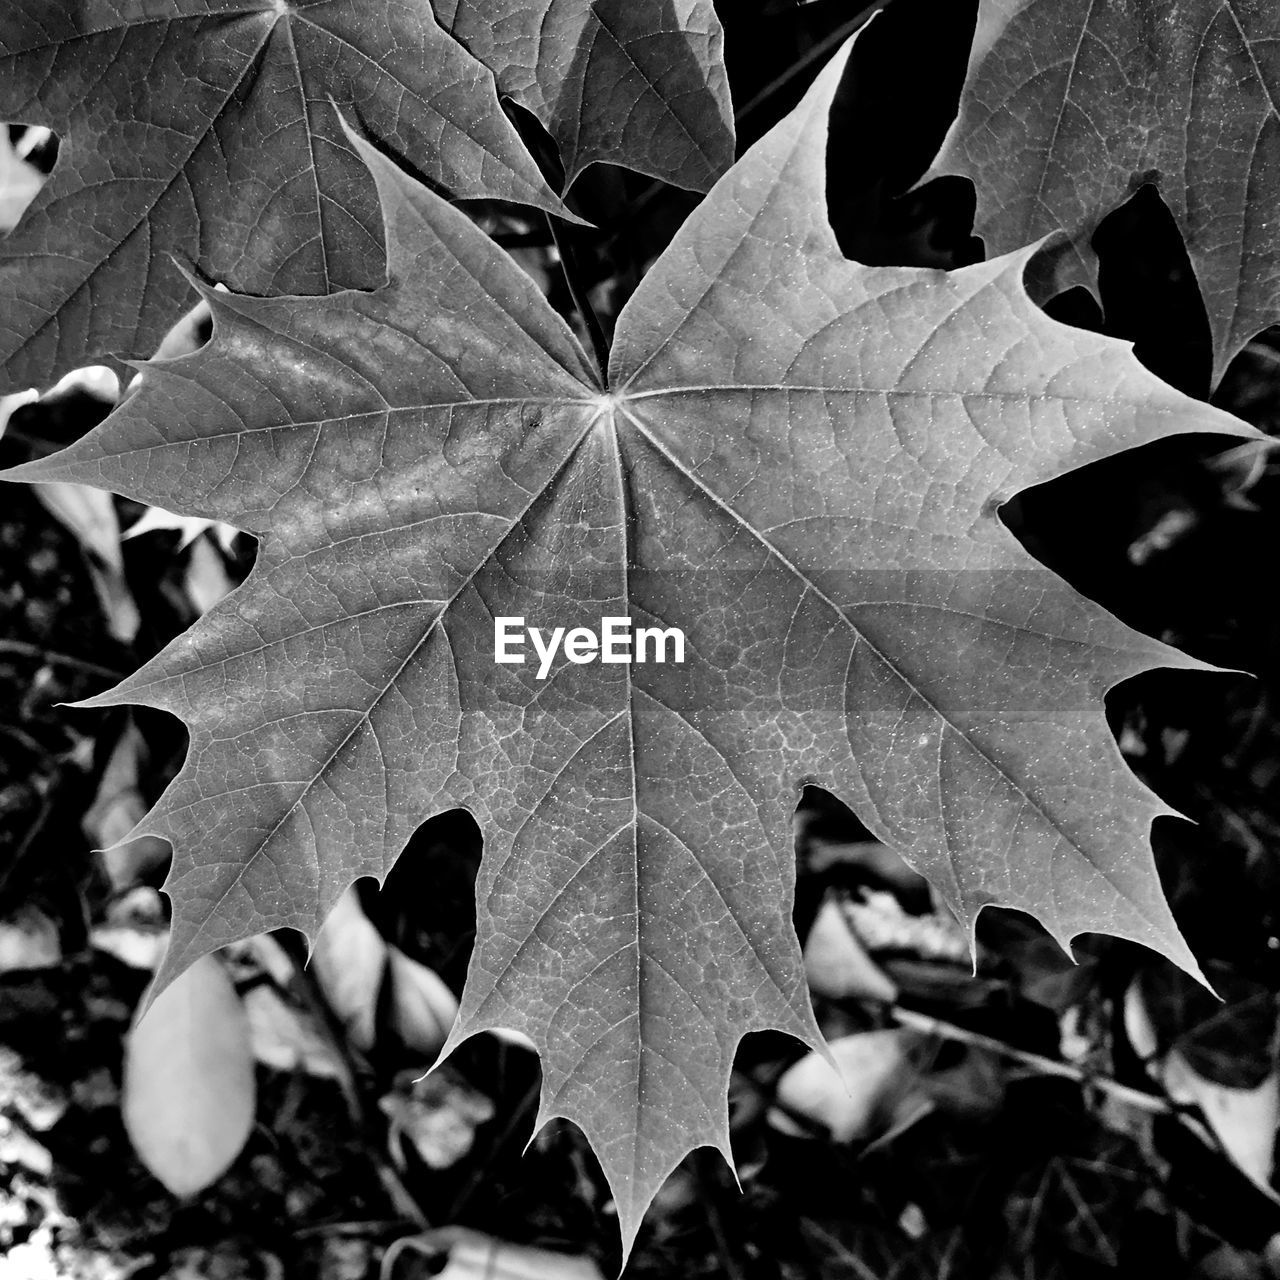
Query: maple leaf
[208, 128]
[796, 460]
[638, 85]
[1070, 106]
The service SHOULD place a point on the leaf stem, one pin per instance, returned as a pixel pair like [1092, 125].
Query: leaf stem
[571, 266]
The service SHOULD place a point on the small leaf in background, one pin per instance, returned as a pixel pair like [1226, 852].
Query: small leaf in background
[28, 940]
[637, 85]
[837, 964]
[189, 1091]
[136, 929]
[1244, 1119]
[19, 180]
[349, 960]
[117, 808]
[473, 1256]
[858, 1101]
[285, 1038]
[83, 512]
[157, 519]
[882, 925]
[206, 579]
[353, 963]
[437, 1113]
[421, 1007]
[89, 515]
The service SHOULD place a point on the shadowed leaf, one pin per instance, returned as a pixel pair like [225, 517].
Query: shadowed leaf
[208, 129]
[637, 85]
[1071, 105]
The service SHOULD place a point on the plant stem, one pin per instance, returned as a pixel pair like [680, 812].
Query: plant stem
[59, 659]
[1038, 1062]
[571, 267]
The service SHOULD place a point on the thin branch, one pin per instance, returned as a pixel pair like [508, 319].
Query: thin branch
[1037, 1062]
[807, 59]
[571, 267]
[60, 659]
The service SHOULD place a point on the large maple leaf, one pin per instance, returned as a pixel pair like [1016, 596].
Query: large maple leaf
[795, 459]
[208, 129]
[639, 85]
[1071, 105]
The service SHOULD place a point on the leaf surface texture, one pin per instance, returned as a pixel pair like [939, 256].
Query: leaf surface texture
[207, 129]
[1071, 105]
[638, 85]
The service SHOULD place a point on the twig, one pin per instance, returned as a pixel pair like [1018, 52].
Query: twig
[523, 1107]
[1046, 1066]
[571, 267]
[61, 659]
[808, 58]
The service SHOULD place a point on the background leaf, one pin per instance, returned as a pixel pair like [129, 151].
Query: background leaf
[637, 85]
[1070, 107]
[208, 129]
[189, 1089]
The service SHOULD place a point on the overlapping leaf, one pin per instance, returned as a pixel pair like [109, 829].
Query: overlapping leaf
[639, 85]
[1071, 105]
[207, 129]
[795, 459]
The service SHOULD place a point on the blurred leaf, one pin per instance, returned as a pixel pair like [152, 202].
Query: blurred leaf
[28, 940]
[349, 961]
[189, 1091]
[117, 808]
[437, 1113]
[206, 579]
[874, 1073]
[836, 963]
[473, 1256]
[157, 519]
[422, 1008]
[1231, 1040]
[284, 1036]
[90, 515]
[1243, 1119]
[19, 182]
